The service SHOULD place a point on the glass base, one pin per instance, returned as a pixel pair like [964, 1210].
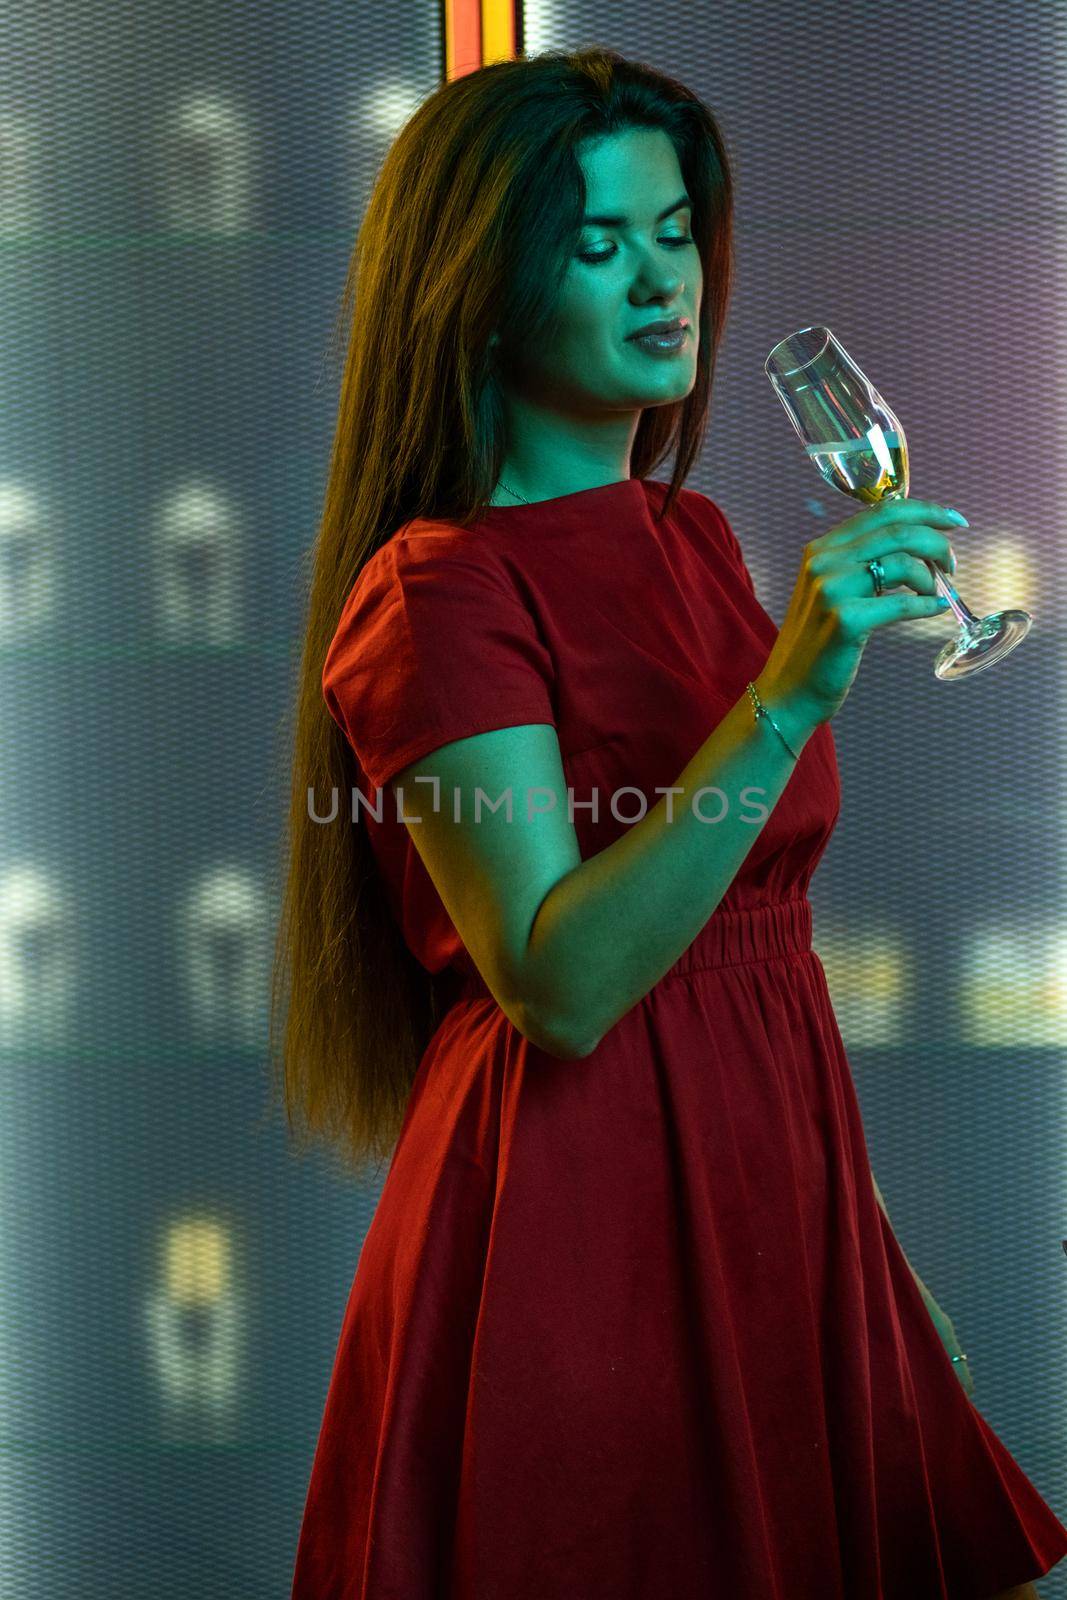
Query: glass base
[973, 649]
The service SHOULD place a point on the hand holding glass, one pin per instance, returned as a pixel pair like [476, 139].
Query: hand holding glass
[859, 448]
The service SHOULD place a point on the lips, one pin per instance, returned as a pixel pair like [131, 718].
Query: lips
[660, 327]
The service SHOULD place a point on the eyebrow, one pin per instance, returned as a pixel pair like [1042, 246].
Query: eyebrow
[624, 222]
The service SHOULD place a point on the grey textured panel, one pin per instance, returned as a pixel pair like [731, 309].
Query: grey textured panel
[193, 177]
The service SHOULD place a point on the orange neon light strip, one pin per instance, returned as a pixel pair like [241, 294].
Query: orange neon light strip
[476, 32]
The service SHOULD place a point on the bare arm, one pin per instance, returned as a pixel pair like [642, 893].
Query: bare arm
[568, 946]
[613, 925]
[878, 1196]
[885, 1213]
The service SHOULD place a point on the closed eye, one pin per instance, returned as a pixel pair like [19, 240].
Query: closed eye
[605, 255]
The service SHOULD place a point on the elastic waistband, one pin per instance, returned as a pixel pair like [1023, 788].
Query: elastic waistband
[728, 938]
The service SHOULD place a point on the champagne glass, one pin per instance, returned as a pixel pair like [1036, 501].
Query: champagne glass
[859, 448]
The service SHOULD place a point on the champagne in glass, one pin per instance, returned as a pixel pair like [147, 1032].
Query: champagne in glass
[859, 448]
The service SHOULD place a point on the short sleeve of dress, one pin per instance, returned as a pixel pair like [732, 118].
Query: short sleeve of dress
[434, 644]
[711, 513]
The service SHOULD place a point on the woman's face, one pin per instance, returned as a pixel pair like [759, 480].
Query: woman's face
[622, 276]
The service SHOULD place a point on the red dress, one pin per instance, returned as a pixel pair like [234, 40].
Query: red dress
[631, 1327]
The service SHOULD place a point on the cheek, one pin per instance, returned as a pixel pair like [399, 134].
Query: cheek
[593, 304]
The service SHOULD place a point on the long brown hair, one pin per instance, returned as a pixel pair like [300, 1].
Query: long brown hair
[475, 213]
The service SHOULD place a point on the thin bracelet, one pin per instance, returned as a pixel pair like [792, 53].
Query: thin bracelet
[761, 711]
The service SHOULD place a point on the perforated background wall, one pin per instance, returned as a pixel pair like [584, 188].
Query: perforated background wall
[182, 186]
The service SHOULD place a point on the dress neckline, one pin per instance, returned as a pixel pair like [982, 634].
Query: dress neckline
[621, 486]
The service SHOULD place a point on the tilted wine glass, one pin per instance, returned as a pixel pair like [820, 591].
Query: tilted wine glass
[859, 448]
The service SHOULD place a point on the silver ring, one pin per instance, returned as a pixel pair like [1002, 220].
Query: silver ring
[877, 574]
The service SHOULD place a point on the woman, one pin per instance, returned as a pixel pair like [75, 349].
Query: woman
[629, 1322]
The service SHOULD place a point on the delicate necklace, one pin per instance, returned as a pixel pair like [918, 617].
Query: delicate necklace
[518, 496]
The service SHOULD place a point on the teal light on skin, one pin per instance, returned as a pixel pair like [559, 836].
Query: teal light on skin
[573, 411]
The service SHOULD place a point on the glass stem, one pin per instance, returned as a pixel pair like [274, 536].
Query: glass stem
[960, 610]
